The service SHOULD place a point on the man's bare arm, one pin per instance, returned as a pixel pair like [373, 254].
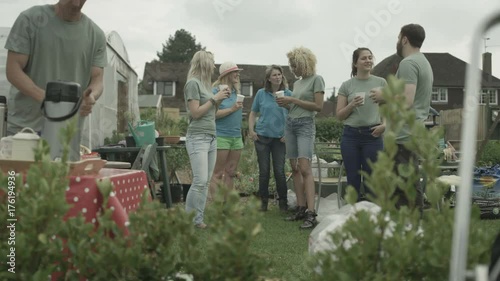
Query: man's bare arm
[96, 82]
[410, 90]
[16, 63]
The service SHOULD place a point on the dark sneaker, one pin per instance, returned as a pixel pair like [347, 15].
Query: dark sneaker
[283, 205]
[299, 215]
[309, 220]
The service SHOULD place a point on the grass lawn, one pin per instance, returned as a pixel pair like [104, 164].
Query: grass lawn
[285, 246]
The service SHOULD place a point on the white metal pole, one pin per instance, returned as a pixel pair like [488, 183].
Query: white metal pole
[458, 266]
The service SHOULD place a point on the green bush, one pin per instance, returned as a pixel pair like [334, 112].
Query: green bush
[491, 154]
[396, 244]
[160, 244]
[328, 129]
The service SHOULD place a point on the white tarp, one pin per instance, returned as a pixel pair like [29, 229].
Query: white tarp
[333, 220]
[103, 119]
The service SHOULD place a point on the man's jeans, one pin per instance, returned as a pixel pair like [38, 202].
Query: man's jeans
[266, 147]
[202, 150]
[357, 147]
[405, 156]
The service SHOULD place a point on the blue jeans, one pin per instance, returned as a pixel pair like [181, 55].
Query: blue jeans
[266, 147]
[357, 147]
[300, 134]
[202, 150]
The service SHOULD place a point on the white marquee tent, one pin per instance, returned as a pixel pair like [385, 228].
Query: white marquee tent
[120, 94]
[120, 91]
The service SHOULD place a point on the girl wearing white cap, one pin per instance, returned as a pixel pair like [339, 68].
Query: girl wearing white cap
[300, 130]
[228, 126]
[201, 142]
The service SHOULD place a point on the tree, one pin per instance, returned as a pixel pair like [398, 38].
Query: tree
[141, 89]
[179, 48]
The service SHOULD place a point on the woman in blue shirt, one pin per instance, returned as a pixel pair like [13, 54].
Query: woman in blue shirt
[228, 127]
[269, 133]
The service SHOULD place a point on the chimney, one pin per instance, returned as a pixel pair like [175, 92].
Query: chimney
[487, 62]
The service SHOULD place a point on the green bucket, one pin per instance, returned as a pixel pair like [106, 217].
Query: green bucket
[143, 133]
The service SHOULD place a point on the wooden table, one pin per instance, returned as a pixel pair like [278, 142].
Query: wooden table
[111, 153]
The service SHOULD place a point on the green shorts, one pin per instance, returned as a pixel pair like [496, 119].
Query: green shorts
[229, 143]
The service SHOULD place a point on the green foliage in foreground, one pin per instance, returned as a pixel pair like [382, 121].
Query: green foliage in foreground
[160, 243]
[240, 244]
[397, 244]
[491, 154]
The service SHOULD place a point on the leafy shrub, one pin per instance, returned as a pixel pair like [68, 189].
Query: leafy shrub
[160, 244]
[115, 138]
[491, 154]
[328, 129]
[396, 244]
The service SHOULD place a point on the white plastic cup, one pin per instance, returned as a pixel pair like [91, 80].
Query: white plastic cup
[280, 94]
[361, 94]
[240, 98]
[222, 87]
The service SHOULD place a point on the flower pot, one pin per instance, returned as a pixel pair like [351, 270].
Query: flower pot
[160, 141]
[130, 141]
[176, 192]
[172, 139]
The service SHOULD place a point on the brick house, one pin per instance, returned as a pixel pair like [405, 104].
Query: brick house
[449, 79]
[168, 80]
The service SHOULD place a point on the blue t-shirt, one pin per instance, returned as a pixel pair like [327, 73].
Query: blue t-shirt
[230, 125]
[272, 118]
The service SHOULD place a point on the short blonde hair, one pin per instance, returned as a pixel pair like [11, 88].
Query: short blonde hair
[302, 62]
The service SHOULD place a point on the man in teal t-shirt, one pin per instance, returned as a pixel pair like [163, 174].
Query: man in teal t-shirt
[415, 70]
[51, 43]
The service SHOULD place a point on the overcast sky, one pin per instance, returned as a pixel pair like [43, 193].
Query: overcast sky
[262, 31]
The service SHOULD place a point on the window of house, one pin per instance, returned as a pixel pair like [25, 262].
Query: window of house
[490, 94]
[165, 88]
[247, 89]
[439, 95]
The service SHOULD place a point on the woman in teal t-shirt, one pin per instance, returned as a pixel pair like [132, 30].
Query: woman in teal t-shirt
[363, 127]
[300, 130]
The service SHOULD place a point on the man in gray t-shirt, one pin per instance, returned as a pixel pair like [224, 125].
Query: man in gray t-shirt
[50, 43]
[415, 70]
